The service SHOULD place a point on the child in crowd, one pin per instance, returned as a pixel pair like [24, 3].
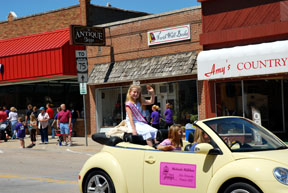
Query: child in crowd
[20, 129]
[199, 137]
[32, 128]
[155, 117]
[134, 119]
[174, 141]
[55, 119]
[168, 115]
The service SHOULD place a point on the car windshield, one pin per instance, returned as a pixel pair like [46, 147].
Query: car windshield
[241, 135]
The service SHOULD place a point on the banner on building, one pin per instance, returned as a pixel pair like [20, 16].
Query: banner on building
[241, 61]
[168, 35]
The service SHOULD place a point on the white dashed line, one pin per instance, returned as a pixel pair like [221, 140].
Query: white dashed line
[78, 152]
[1, 151]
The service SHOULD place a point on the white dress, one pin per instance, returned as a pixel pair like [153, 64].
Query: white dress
[143, 129]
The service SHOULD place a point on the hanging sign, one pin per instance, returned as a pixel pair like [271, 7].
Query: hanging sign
[167, 35]
[87, 36]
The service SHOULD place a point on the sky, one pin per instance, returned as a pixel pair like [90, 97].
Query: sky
[24, 8]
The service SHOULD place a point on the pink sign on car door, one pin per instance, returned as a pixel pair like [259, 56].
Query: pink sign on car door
[175, 174]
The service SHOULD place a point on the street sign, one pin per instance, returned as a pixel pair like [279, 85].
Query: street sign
[83, 88]
[82, 65]
[81, 54]
[82, 77]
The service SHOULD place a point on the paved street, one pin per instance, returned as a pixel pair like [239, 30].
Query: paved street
[44, 168]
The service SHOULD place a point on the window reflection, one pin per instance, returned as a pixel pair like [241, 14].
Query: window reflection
[229, 99]
[182, 95]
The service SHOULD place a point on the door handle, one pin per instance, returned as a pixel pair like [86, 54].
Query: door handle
[150, 160]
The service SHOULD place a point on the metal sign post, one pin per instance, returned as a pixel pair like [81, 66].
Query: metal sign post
[84, 108]
[82, 70]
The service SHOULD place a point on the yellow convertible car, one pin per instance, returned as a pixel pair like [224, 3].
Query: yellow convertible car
[241, 157]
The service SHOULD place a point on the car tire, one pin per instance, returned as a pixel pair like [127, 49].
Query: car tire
[241, 187]
[98, 181]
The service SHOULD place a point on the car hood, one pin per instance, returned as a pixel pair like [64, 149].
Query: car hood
[280, 156]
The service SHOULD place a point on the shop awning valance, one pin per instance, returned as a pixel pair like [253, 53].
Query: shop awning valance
[39, 56]
[34, 43]
[145, 68]
[242, 61]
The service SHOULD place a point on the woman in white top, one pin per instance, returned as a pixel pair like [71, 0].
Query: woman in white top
[13, 117]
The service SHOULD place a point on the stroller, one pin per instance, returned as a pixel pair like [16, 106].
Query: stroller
[4, 131]
[60, 136]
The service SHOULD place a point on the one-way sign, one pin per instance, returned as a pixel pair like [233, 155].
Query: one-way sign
[82, 77]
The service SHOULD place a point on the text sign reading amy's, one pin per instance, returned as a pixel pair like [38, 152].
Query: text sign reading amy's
[241, 61]
[167, 35]
[174, 174]
[87, 36]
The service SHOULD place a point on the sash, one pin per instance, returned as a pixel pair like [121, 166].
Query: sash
[135, 112]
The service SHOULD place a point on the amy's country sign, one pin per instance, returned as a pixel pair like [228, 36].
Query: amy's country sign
[87, 36]
[167, 35]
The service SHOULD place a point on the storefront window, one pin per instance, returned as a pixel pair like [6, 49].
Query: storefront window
[109, 106]
[229, 99]
[263, 101]
[182, 95]
[38, 94]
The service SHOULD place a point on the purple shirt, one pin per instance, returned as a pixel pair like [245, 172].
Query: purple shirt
[168, 142]
[155, 116]
[7, 112]
[20, 129]
[168, 116]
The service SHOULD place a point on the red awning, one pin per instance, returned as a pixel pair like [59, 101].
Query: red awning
[38, 56]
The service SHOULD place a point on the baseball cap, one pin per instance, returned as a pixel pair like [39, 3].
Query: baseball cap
[42, 108]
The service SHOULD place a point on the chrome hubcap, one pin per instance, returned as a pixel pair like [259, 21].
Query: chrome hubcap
[239, 191]
[98, 184]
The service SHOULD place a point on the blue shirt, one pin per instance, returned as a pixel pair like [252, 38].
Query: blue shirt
[20, 129]
[192, 149]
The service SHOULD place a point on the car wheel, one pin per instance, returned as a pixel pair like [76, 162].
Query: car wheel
[98, 182]
[241, 188]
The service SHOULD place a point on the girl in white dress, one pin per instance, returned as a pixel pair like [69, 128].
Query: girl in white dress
[134, 119]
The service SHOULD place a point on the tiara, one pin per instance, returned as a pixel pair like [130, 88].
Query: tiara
[137, 83]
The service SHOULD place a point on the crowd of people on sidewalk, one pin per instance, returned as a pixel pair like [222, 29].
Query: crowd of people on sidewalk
[42, 121]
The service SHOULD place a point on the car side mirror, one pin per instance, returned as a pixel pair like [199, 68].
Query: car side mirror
[203, 148]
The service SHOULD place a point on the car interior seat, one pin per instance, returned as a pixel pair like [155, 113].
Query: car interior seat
[102, 139]
[190, 140]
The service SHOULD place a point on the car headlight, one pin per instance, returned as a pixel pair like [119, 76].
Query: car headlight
[281, 174]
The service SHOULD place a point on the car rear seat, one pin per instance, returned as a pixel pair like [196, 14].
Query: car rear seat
[128, 137]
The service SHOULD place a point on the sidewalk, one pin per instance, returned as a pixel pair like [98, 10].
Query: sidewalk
[78, 144]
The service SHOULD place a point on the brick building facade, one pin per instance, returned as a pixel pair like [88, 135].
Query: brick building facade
[82, 14]
[242, 70]
[36, 55]
[128, 57]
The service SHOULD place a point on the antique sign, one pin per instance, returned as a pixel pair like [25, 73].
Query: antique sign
[87, 36]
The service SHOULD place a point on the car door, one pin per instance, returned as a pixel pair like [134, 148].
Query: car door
[181, 172]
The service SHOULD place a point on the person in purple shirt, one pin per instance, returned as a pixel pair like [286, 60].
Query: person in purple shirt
[6, 110]
[155, 117]
[55, 119]
[168, 116]
[20, 129]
